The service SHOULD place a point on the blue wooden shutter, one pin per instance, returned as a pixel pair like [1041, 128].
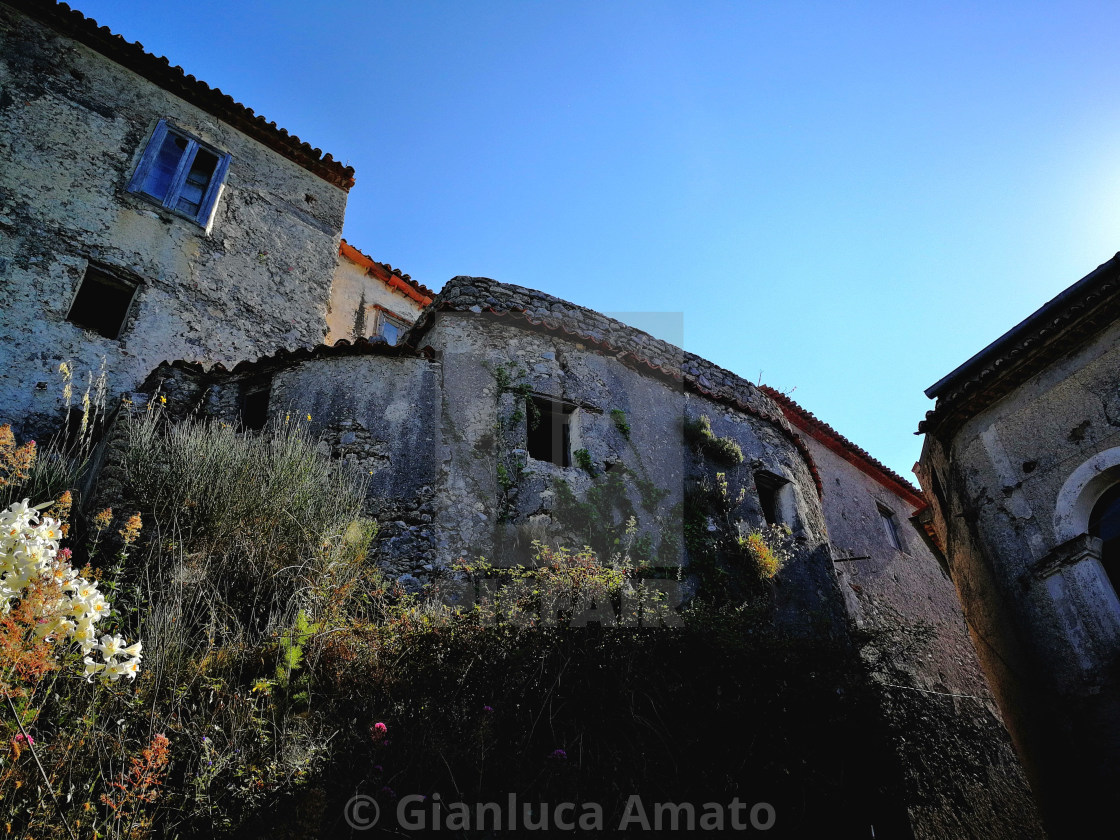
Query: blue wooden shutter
[213, 190]
[148, 158]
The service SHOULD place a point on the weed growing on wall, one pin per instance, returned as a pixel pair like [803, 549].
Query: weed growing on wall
[699, 433]
[721, 547]
[584, 462]
[618, 417]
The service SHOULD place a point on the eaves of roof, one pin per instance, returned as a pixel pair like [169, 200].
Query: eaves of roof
[1057, 328]
[375, 346]
[835, 442]
[392, 277]
[158, 70]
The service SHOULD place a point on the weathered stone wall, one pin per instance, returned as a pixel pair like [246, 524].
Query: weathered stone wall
[495, 499]
[1043, 613]
[963, 778]
[446, 443]
[73, 125]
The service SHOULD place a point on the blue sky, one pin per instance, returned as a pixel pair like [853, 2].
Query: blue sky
[846, 199]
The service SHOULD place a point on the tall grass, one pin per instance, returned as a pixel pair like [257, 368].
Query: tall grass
[251, 548]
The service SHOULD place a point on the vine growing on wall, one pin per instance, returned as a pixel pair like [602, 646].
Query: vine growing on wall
[509, 377]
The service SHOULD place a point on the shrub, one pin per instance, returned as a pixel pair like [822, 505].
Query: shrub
[768, 548]
[252, 556]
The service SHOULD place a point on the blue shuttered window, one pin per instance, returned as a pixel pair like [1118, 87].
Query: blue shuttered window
[180, 173]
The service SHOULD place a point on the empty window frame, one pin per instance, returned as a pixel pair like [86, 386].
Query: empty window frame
[548, 430]
[769, 487]
[102, 302]
[890, 526]
[180, 173]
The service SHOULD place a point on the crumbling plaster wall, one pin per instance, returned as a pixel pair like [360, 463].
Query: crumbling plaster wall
[355, 294]
[963, 778]
[1046, 623]
[73, 125]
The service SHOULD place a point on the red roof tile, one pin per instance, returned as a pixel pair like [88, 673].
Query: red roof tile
[387, 274]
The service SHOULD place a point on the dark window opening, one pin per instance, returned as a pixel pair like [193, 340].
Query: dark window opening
[102, 303]
[769, 486]
[890, 526]
[939, 494]
[254, 405]
[548, 425]
[1104, 522]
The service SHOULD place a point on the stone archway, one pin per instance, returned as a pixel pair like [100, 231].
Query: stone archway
[1080, 493]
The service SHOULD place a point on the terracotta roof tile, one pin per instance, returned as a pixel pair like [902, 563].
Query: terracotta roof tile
[807, 422]
[392, 276]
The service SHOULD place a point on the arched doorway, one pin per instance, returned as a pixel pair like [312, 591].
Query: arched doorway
[1104, 522]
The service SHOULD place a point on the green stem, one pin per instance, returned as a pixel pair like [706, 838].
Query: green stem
[35, 755]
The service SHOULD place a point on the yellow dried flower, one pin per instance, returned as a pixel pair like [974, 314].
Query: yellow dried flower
[131, 529]
[101, 520]
[61, 511]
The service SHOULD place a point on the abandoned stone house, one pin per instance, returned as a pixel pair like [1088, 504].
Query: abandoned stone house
[1021, 463]
[156, 230]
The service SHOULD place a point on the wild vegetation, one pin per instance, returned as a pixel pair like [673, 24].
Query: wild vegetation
[281, 674]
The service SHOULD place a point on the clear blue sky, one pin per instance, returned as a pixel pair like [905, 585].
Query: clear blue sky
[848, 198]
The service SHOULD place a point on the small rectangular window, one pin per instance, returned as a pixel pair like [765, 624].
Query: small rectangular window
[548, 426]
[180, 173]
[890, 526]
[769, 487]
[253, 404]
[102, 302]
[389, 327]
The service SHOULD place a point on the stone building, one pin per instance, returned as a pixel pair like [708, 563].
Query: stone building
[145, 216]
[1021, 463]
[160, 232]
[507, 415]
